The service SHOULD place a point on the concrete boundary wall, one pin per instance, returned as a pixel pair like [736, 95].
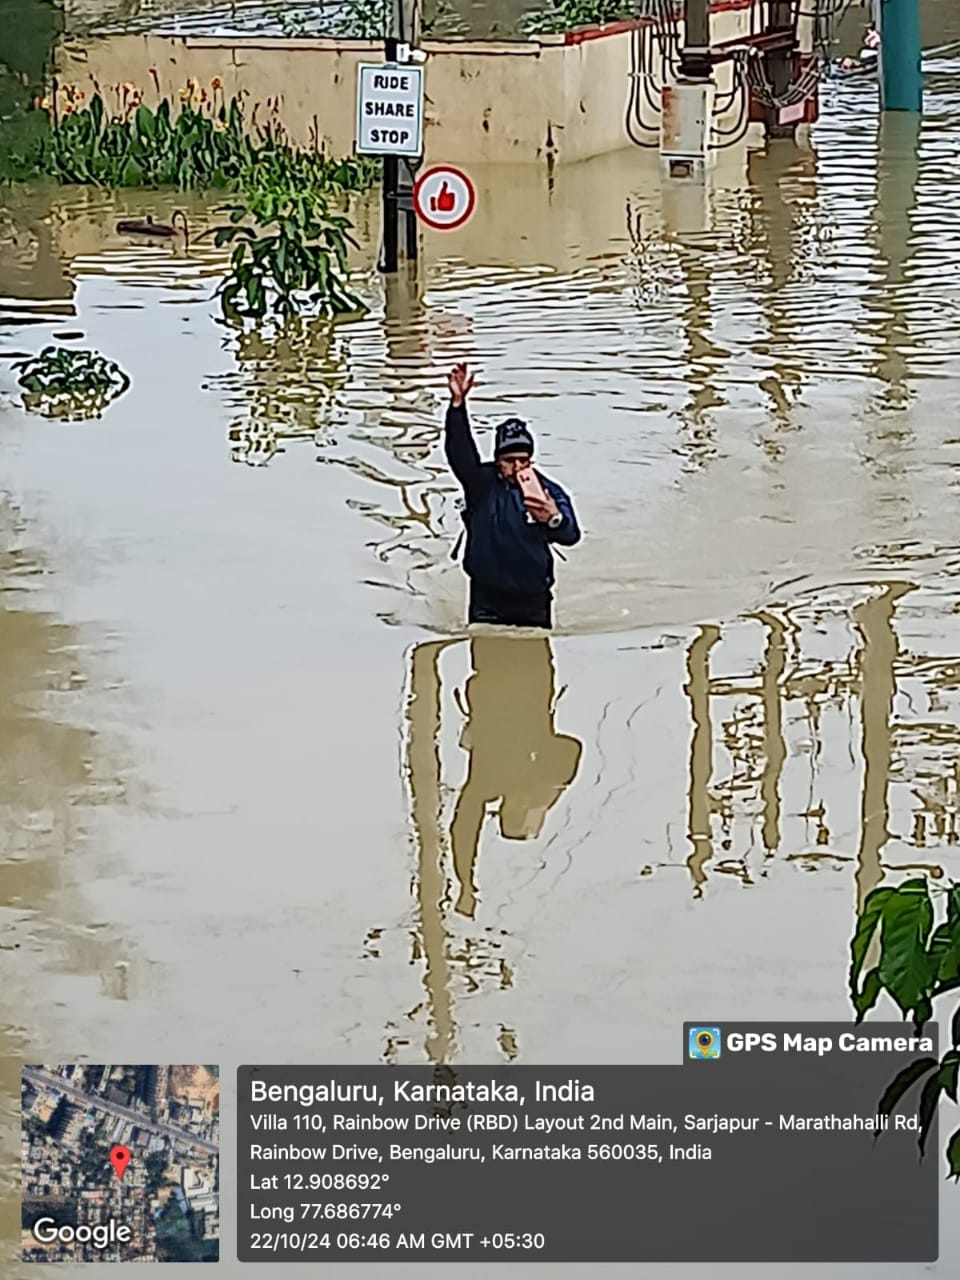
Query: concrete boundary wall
[539, 101]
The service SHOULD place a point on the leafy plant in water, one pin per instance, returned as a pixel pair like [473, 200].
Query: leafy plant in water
[297, 255]
[145, 148]
[295, 259]
[919, 963]
[294, 255]
[65, 383]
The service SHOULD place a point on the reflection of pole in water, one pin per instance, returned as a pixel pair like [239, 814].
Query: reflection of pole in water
[423, 773]
[403, 327]
[878, 686]
[774, 747]
[688, 219]
[703, 355]
[898, 169]
[697, 690]
[777, 226]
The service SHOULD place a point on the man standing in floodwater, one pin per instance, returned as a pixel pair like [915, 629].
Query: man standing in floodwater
[512, 515]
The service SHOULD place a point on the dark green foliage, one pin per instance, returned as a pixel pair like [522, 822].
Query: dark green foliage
[362, 20]
[290, 240]
[155, 1166]
[919, 963]
[64, 383]
[29, 29]
[145, 148]
[297, 257]
[559, 16]
[294, 256]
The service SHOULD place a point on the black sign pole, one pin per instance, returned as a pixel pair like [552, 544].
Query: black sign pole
[391, 174]
[411, 215]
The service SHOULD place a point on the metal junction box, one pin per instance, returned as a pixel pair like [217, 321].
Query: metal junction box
[686, 119]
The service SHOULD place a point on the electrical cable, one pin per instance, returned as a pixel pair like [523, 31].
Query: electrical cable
[743, 127]
[634, 118]
[655, 98]
[738, 131]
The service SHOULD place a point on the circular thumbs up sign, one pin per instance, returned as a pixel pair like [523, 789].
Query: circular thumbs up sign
[444, 197]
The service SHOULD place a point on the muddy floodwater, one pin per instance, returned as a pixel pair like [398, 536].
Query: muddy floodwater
[262, 798]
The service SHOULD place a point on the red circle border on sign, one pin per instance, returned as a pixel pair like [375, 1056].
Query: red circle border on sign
[471, 197]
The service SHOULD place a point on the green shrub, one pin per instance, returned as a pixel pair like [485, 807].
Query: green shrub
[67, 383]
[919, 964]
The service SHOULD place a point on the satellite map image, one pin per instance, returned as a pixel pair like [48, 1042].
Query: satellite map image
[120, 1163]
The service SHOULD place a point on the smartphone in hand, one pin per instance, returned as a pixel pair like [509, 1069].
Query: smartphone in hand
[530, 486]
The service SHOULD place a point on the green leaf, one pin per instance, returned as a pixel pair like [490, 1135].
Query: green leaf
[866, 927]
[949, 1073]
[902, 1081]
[945, 951]
[929, 1098]
[228, 301]
[922, 1013]
[256, 295]
[953, 1156]
[146, 124]
[906, 970]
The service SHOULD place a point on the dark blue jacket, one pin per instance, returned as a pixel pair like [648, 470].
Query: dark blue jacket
[504, 550]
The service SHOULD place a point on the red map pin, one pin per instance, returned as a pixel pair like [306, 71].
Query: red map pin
[120, 1158]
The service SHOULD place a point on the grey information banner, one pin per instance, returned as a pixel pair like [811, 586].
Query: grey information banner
[763, 1146]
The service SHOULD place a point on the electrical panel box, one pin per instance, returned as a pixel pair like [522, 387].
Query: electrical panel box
[686, 120]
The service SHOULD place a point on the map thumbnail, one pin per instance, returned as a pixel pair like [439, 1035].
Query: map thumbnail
[120, 1164]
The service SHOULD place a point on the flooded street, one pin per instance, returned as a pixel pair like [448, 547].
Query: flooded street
[257, 803]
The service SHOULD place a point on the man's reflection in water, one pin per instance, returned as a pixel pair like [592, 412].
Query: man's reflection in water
[516, 756]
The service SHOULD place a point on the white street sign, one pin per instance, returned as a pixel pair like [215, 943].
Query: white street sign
[389, 110]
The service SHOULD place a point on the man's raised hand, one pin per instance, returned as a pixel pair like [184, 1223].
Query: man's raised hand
[460, 382]
[542, 509]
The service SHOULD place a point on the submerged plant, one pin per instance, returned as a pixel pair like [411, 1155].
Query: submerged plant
[65, 383]
[294, 259]
[290, 243]
[290, 235]
[919, 962]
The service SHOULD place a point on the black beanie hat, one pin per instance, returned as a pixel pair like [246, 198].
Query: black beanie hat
[513, 436]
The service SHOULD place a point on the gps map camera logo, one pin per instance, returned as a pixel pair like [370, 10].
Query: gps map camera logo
[705, 1042]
